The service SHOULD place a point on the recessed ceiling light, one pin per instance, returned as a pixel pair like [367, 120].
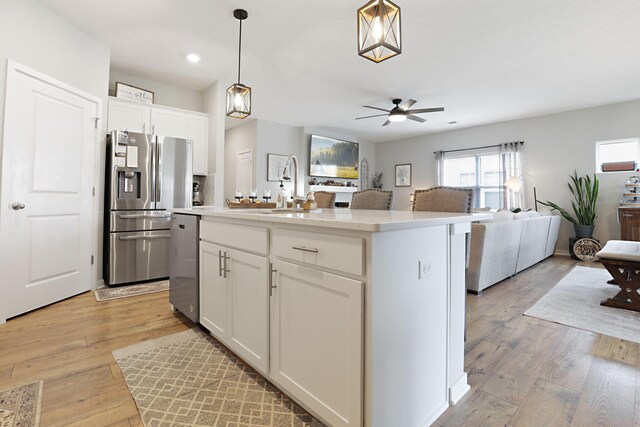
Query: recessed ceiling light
[193, 58]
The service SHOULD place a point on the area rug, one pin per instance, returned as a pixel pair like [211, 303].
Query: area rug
[106, 294]
[20, 405]
[575, 301]
[189, 379]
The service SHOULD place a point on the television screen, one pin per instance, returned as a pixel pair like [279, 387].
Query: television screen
[332, 158]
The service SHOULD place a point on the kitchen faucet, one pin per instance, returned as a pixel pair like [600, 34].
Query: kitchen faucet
[286, 175]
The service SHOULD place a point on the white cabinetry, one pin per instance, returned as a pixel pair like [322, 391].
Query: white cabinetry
[168, 122]
[198, 132]
[316, 341]
[130, 116]
[234, 301]
[164, 121]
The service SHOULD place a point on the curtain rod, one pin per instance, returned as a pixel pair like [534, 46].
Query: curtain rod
[477, 148]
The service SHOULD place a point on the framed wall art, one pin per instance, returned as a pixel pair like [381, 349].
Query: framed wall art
[403, 175]
[133, 93]
[275, 166]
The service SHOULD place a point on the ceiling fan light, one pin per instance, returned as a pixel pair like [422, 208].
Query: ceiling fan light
[379, 30]
[397, 117]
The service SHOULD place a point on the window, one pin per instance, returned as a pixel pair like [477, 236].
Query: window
[617, 150]
[479, 169]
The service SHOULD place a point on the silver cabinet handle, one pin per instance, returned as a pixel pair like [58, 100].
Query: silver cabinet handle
[271, 285]
[225, 270]
[626, 215]
[16, 206]
[153, 129]
[155, 236]
[139, 216]
[304, 249]
[219, 263]
[144, 128]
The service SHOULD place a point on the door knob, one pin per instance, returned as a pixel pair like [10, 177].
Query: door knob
[16, 206]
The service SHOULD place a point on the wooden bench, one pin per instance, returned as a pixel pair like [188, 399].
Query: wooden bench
[622, 259]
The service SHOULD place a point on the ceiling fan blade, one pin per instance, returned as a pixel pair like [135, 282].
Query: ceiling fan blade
[368, 117]
[375, 108]
[386, 123]
[407, 104]
[425, 110]
[415, 118]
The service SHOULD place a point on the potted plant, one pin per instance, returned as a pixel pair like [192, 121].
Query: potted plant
[585, 195]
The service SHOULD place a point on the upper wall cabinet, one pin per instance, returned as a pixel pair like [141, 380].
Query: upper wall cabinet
[164, 121]
[129, 116]
[167, 122]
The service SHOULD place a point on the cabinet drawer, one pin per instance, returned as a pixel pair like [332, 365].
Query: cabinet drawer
[252, 239]
[338, 253]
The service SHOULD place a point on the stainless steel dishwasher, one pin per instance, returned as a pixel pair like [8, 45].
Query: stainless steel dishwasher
[183, 265]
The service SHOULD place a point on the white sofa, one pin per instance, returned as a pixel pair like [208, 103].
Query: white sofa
[507, 244]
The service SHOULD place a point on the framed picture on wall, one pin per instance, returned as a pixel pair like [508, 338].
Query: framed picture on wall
[403, 175]
[275, 166]
[133, 93]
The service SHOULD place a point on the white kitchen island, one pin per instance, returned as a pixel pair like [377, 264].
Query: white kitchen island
[357, 315]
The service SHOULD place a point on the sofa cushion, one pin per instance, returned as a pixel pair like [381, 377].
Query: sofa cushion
[499, 216]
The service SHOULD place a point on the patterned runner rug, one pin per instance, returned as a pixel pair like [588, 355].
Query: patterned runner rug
[20, 405]
[575, 301]
[106, 293]
[189, 379]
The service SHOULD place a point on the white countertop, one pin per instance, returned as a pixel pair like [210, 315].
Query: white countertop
[356, 219]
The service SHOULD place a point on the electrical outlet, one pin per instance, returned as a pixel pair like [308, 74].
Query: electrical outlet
[424, 269]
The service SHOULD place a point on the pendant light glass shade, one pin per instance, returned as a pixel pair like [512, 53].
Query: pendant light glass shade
[238, 101]
[239, 95]
[379, 30]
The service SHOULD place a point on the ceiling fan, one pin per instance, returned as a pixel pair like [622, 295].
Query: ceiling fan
[401, 112]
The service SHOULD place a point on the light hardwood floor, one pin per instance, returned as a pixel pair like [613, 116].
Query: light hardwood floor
[523, 371]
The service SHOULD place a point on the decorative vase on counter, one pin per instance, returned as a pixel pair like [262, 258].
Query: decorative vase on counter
[583, 231]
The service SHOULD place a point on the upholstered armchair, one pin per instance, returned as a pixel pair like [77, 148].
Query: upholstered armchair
[372, 199]
[325, 199]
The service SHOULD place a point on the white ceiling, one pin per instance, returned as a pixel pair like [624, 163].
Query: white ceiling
[483, 60]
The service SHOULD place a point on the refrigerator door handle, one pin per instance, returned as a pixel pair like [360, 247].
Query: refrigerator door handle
[155, 236]
[158, 172]
[153, 172]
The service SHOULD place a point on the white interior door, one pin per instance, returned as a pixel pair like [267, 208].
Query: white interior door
[244, 171]
[46, 202]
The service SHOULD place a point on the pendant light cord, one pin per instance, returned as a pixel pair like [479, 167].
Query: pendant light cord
[239, 49]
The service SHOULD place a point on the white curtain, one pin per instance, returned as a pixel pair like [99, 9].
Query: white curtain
[439, 167]
[511, 166]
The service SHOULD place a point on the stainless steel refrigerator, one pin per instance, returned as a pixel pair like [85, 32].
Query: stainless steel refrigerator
[145, 175]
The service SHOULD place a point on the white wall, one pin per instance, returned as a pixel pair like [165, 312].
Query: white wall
[164, 94]
[237, 139]
[264, 137]
[213, 103]
[36, 37]
[555, 145]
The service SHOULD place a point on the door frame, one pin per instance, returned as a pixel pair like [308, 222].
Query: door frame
[14, 69]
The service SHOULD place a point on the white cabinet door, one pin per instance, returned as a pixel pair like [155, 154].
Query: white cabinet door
[248, 286]
[199, 134]
[214, 297]
[165, 122]
[129, 116]
[316, 341]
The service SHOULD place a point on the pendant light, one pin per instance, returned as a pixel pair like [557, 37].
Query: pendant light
[239, 95]
[379, 30]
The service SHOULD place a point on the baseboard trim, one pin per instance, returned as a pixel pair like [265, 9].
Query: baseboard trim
[99, 284]
[561, 252]
[459, 389]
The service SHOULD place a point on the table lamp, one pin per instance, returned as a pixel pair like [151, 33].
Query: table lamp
[515, 184]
